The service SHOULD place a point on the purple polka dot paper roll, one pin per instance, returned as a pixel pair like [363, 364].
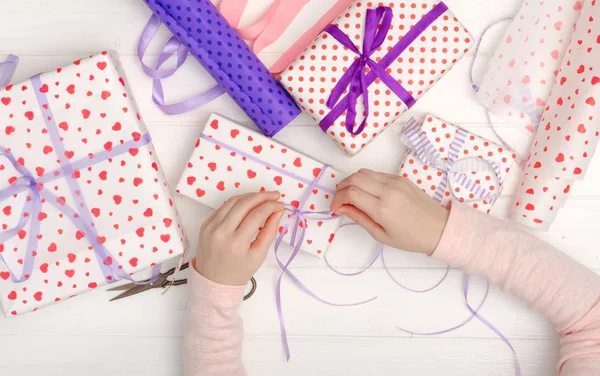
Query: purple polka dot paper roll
[218, 47]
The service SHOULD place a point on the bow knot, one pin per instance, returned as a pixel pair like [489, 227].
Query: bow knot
[377, 26]
[454, 170]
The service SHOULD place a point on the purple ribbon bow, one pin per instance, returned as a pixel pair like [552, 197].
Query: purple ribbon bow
[377, 25]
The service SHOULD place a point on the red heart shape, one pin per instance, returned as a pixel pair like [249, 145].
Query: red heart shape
[7, 210]
[44, 268]
[577, 171]
[221, 186]
[148, 212]
[5, 101]
[101, 65]
[234, 133]
[117, 199]
[191, 180]
[200, 192]
[581, 128]
[52, 247]
[108, 261]
[5, 275]
[316, 172]
[105, 95]
[537, 165]
[92, 285]
[167, 222]
[212, 166]
[581, 69]
[116, 127]
[595, 80]
[137, 181]
[12, 295]
[257, 149]
[298, 162]
[95, 212]
[29, 115]
[133, 262]
[79, 235]
[591, 101]
[134, 151]
[277, 180]
[251, 174]
[71, 89]
[102, 175]
[560, 157]
[529, 207]
[70, 273]
[72, 257]
[86, 113]
[165, 238]
[214, 124]
[140, 232]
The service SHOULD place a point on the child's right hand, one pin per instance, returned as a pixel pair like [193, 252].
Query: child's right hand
[392, 209]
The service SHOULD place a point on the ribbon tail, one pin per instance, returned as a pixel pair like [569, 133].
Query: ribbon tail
[7, 70]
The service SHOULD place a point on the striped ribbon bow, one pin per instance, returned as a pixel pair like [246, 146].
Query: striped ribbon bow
[454, 170]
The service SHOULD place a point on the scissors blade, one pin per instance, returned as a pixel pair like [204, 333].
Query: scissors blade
[136, 290]
[124, 287]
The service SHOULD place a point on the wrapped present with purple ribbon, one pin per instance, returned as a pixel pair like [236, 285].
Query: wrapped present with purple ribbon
[450, 163]
[83, 201]
[372, 64]
[199, 28]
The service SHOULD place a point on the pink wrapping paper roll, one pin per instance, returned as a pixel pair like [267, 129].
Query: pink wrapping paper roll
[569, 129]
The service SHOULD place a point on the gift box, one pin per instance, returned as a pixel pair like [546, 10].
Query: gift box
[83, 199]
[448, 162]
[372, 64]
[230, 160]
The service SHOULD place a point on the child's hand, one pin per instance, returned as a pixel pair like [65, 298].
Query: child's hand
[228, 252]
[392, 209]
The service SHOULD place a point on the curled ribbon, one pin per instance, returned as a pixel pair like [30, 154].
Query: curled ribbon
[454, 170]
[377, 26]
[38, 195]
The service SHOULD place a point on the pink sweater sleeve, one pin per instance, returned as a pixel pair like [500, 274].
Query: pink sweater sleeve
[214, 332]
[558, 287]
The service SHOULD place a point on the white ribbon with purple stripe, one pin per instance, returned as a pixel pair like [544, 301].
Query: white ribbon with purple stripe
[454, 169]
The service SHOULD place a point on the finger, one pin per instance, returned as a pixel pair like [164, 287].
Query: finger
[358, 198]
[267, 234]
[222, 212]
[245, 205]
[257, 219]
[363, 220]
[364, 182]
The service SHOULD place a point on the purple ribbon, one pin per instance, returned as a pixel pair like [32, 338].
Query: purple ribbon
[297, 220]
[7, 69]
[38, 195]
[172, 47]
[413, 136]
[355, 77]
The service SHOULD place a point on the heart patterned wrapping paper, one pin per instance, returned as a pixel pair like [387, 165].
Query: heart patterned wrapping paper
[230, 160]
[83, 201]
[568, 134]
[384, 57]
[450, 163]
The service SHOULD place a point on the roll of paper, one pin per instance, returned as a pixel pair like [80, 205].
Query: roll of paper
[200, 27]
[569, 130]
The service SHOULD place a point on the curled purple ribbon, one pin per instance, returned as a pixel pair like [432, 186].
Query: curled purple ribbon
[377, 25]
[38, 195]
[413, 136]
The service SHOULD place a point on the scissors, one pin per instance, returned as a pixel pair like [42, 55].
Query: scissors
[162, 281]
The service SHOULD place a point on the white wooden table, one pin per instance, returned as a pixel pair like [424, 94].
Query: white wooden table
[143, 335]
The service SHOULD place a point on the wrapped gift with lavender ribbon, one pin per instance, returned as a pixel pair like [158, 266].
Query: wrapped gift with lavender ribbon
[201, 30]
[450, 163]
[83, 201]
[372, 64]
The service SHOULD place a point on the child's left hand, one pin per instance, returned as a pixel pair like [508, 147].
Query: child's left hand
[228, 253]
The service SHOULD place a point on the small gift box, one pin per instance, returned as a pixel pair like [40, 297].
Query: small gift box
[82, 195]
[372, 64]
[230, 160]
[448, 162]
